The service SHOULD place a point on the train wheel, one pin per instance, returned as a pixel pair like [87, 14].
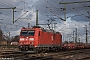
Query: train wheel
[36, 51]
[19, 48]
[26, 48]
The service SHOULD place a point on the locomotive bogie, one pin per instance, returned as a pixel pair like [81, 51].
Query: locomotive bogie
[26, 48]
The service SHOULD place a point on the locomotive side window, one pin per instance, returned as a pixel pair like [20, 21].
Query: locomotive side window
[27, 33]
[39, 33]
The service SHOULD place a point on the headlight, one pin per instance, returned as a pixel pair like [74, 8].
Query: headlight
[31, 39]
[21, 39]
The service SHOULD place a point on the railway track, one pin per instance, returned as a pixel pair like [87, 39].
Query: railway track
[21, 55]
[71, 55]
[64, 55]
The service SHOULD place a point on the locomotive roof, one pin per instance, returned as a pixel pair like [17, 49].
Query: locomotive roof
[51, 30]
[45, 30]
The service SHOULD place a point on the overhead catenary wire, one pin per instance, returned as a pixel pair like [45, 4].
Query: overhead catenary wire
[56, 15]
[21, 16]
[26, 4]
[87, 9]
[49, 3]
[7, 23]
[81, 13]
[13, 5]
[58, 9]
[21, 11]
[9, 3]
[3, 4]
[73, 2]
[54, 12]
[74, 8]
[9, 26]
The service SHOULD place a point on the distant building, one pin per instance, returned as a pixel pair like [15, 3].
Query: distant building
[3, 43]
[14, 43]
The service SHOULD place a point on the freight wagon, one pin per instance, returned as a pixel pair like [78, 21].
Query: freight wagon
[72, 46]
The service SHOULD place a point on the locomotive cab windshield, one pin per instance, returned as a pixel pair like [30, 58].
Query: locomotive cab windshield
[27, 33]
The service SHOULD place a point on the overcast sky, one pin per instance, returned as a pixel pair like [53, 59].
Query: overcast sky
[77, 16]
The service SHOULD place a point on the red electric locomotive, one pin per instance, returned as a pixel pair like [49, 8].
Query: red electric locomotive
[38, 39]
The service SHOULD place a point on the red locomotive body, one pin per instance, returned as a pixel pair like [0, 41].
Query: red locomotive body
[39, 39]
